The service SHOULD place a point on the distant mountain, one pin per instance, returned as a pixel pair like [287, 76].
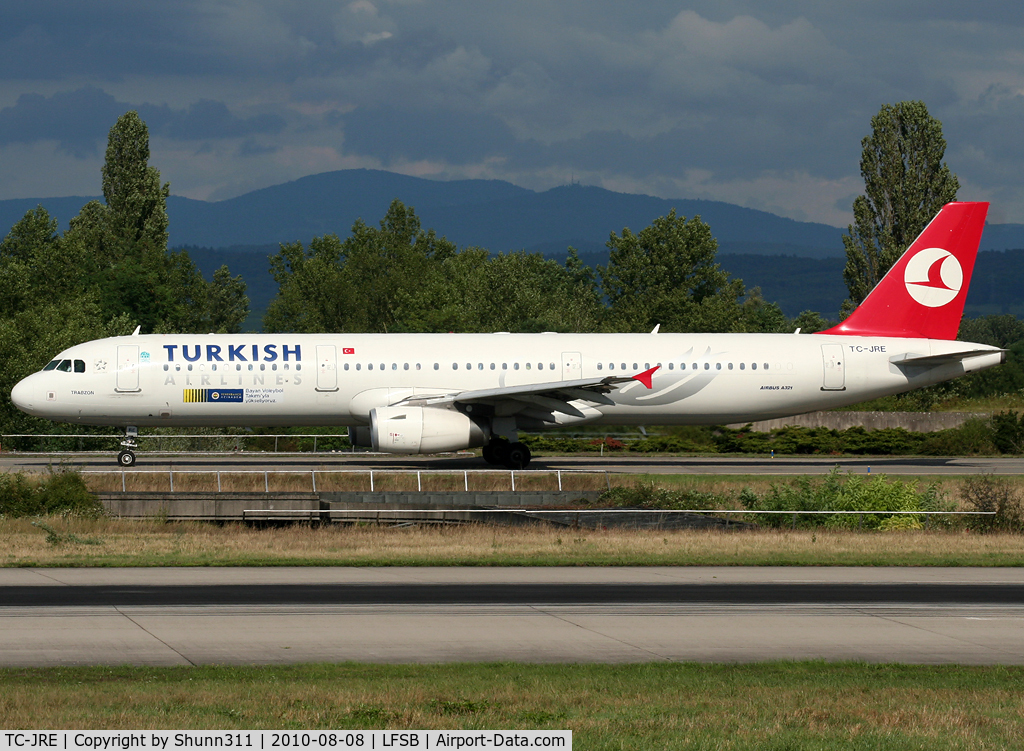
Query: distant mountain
[492, 214]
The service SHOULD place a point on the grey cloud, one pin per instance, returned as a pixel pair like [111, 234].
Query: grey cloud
[80, 120]
[77, 120]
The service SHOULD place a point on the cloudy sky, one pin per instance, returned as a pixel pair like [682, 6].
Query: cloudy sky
[760, 104]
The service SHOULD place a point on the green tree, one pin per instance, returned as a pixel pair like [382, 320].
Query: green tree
[905, 185]
[227, 303]
[667, 275]
[136, 201]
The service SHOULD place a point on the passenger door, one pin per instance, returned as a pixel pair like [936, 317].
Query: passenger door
[833, 362]
[127, 368]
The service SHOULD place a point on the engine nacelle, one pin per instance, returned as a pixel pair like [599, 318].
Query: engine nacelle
[422, 430]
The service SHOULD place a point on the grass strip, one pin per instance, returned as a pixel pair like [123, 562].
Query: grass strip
[791, 705]
[113, 542]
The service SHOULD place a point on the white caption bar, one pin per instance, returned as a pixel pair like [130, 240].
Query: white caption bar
[258, 740]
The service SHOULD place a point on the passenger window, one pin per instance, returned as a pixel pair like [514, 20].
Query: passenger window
[52, 364]
[515, 366]
[753, 366]
[437, 366]
[190, 367]
[480, 366]
[611, 366]
[504, 366]
[492, 366]
[766, 366]
[647, 366]
[369, 366]
[213, 367]
[238, 366]
[382, 366]
[600, 366]
[274, 366]
[623, 366]
[528, 366]
[250, 366]
[743, 366]
[455, 366]
[298, 366]
[707, 366]
[359, 366]
[166, 367]
[636, 367]
[694, 367]
[730, 366]
[551, 366]
[718, 366]
[469, 366]
[671, 366]
[405, 367]
[394, 366]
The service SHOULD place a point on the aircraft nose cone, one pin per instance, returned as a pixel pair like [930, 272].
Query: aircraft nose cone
[23, 395]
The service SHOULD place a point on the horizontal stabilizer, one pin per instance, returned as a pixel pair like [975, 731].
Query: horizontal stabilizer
[931, 361]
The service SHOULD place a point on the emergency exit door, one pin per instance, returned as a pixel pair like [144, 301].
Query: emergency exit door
[834, 365]
[327, 367]
[572, 369]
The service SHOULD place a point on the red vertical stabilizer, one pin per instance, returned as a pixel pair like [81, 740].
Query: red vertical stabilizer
[924, 292]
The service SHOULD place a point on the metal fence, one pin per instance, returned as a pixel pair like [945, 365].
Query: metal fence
[266, 473]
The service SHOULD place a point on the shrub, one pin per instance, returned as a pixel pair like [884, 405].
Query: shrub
[645, 494]
[875, 495]
[991, 494]
[60, 492]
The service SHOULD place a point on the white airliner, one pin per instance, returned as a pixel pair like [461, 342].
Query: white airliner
[427, 393]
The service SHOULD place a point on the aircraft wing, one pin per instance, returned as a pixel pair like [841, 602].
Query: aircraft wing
[554, 396]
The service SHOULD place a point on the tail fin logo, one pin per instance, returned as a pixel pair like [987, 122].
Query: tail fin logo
[933, 277]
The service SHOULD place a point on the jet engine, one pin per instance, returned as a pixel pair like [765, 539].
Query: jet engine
[423, 430]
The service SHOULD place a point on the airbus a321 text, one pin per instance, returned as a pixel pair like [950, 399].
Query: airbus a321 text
[427, 393]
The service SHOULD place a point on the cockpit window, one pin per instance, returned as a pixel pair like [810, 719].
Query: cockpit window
[52, 364]
[64, 366]
[79, 366]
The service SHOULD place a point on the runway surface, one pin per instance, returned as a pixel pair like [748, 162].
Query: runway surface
[612, 615]
[718, 465]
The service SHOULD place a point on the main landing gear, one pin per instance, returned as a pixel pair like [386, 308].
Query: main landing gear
[126, 458]
[512, 455]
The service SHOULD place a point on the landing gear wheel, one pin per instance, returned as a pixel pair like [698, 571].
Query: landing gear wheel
[517, 456]
[494, 452]
[126, 459]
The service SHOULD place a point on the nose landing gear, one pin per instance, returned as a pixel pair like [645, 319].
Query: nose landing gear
[126, 457]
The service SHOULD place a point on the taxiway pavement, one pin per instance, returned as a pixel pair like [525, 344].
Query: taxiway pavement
[607, 615]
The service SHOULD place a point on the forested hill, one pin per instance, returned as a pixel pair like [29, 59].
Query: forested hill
[491, 214]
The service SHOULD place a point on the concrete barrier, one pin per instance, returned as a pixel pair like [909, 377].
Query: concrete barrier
[212, 506]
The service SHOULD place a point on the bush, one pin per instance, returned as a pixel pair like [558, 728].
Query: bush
[991, 494]
[876, 495]
[645, 494]
[60, 492]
